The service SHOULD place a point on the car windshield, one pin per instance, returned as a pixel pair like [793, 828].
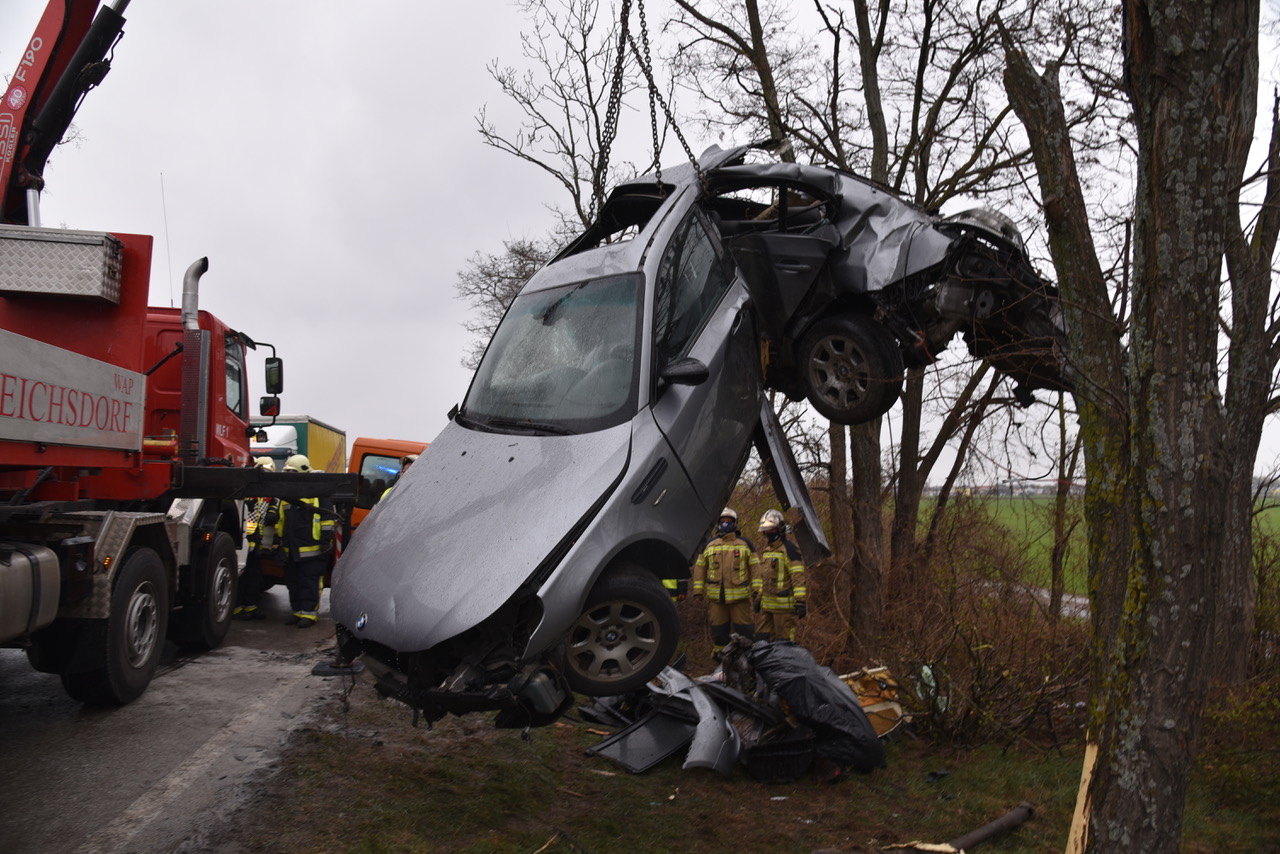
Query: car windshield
[562, 361]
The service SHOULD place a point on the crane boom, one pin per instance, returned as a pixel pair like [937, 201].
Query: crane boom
[65, 58]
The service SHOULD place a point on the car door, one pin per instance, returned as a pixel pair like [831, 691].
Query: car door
[701, 311]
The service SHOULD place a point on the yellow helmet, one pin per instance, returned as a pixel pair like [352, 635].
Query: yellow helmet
[265, 463]
[298, 462]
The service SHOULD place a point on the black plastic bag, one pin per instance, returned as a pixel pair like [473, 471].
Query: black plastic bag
[820, 700]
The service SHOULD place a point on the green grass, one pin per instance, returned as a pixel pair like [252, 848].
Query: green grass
[1029, 523]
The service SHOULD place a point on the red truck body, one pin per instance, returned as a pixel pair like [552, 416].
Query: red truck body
[126, 423]
[124, 428]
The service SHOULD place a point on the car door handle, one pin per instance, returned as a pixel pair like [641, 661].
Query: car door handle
[793, 267]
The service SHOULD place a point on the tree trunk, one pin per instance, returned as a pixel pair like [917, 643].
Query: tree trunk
[1251, 366]
[840, 514]
[1190, 73]
[1067, 458]
[909, 488]
[868, 528]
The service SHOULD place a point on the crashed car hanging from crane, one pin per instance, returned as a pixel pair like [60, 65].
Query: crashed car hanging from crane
[521, 558]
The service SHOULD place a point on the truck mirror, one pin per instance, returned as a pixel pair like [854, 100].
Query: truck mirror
[275, 375]
[269, 406]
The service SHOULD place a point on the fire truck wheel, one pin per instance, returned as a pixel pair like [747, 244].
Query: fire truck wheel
[204, 624]
[125, 648]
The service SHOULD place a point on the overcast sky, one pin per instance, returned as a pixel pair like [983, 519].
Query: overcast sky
[324, 156]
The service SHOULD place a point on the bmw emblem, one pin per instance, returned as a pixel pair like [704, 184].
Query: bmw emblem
[361, 622]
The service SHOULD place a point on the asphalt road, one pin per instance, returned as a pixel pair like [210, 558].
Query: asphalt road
[158, 774]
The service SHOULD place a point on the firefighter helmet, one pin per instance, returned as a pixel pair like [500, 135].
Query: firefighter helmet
[265, 463]
[298, 462]
[725, 528]
[772, 519]
[408, 459]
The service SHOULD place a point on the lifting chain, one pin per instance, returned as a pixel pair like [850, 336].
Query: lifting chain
[610, 130]
[656, 99]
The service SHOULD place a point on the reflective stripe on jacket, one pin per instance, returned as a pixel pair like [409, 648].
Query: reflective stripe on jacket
[260, 535]
[725, 570]
[302, 532]
[780, 581]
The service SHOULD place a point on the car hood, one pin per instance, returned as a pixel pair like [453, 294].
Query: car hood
[465, 528]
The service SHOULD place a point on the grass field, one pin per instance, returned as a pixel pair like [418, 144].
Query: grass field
[363, 781]
[1029, 521]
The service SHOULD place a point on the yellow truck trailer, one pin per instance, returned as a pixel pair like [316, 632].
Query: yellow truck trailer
[323, 444]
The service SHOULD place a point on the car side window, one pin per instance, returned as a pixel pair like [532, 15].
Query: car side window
[691, 280]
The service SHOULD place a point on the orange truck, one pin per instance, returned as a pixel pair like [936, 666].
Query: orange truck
[377, 461]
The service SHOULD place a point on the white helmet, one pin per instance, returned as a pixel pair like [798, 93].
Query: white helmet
[298, 462]
[265, 463]
[772, 519]
[408, 460]
[724, 528]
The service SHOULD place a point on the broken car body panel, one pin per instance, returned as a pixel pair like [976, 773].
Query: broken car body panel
[617, 404]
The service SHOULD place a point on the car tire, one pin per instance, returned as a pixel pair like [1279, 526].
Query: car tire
[204, 624]
[625, 636]
[851, 368]
[124, 649]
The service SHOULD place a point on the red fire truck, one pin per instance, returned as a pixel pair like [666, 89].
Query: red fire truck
[124, 429]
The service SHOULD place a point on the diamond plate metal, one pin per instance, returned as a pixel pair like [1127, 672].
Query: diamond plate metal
[60, 262]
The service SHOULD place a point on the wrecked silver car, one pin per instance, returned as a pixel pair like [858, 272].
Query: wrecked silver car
[521, 558]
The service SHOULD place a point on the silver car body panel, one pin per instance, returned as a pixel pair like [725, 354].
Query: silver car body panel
[716, 744]
[464, 528]
[884, 238]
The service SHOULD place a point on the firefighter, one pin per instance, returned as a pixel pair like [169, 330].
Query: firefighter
[724, 575]
[306, 532]
[260, 532]
[780, 593]
[405, 461]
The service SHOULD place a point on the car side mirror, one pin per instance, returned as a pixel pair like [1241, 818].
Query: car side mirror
[269, 406]
[685, 372]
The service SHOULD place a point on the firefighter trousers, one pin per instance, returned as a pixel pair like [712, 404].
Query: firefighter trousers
[776, 625]
[303, 578]
[727, 617]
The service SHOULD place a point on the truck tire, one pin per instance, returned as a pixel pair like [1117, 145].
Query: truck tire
[125, 648]
[625, 636]
[204, 624]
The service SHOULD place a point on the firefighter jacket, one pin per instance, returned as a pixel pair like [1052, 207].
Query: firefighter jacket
[302, 532]
[725, 570]
[260, 524]
[780, 581]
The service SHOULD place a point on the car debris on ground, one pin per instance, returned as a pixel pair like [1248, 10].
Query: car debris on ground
[768, 706]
